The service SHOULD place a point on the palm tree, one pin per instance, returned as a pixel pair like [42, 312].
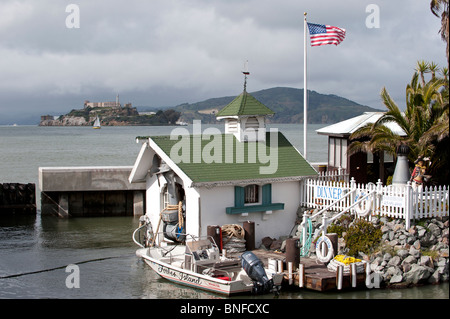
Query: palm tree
[440, 9]
[424, 121]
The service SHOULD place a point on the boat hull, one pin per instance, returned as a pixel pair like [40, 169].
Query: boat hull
[195, 280]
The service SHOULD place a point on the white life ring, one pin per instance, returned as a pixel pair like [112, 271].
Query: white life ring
[330, 251]
[364, 207]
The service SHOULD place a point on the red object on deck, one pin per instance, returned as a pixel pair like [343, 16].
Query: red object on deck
[224, 278]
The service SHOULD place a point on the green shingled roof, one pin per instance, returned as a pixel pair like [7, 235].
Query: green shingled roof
[227, 166]
[245, 104]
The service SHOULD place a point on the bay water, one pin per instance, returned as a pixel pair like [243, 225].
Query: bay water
[36, 250]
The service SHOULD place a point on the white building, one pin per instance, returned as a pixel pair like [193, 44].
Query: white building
[246, 174]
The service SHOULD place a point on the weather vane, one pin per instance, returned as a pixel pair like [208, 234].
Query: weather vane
[245, 72]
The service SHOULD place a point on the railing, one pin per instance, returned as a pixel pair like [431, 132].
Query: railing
[401, 201]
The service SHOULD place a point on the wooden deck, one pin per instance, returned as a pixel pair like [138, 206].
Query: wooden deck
[316, 274]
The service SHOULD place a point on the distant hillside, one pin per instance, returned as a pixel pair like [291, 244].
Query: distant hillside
[287, 103]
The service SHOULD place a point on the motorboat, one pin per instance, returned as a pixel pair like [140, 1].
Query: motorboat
[197, 262]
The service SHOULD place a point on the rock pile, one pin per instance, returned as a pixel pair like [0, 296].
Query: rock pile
[415, 256]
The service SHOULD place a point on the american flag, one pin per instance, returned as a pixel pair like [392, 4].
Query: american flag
[321, 34]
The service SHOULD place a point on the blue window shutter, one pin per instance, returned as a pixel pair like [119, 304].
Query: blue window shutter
[239, 195]
[267, 194]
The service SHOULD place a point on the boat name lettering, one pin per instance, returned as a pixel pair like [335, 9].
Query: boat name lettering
[190, 278]
[167, 271]
[179, 275]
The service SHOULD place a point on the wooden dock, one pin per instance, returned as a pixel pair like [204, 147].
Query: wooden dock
[316, 274]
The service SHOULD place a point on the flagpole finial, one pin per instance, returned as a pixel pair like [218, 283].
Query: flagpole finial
[304, 13]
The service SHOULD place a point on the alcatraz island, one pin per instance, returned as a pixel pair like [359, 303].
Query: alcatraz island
[111, 114]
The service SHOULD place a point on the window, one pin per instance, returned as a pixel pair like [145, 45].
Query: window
[252, 122]
[251, 194]
[253, 198]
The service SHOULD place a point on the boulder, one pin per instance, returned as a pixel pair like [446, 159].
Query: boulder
[410, 260]
[396, 279]
[414, 252]
[267, 241]
[276, 245]
[395, 261]
[403, 253]
[416, 274]
[426, 261]
[434, 278]
[434, 229]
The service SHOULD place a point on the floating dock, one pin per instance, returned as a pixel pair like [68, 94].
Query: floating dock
[316, 275]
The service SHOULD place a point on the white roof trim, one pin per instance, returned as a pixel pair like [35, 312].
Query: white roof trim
[142, 165]
[166, 158]
[349, 126]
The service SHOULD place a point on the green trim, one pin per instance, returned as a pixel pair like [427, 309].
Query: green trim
[266, 202]
[254, 208]
[267, 194]
[239, 196]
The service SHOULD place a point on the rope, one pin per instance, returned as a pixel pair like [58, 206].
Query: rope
[233, 230]
[180, 214]
[233, 238]
[304, 251]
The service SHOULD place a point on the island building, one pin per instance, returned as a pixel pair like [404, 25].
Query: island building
[115, 104]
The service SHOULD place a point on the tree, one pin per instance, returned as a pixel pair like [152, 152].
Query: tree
[424, 121]
[440, 9]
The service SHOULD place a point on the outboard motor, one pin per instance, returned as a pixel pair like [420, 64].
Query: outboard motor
[254, 268]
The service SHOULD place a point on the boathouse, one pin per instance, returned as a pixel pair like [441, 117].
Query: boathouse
[363, 167]
[247, 173]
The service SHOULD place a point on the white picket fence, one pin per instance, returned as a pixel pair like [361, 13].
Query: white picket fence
[394, 201]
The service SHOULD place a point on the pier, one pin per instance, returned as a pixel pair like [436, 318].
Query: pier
[316, 275]
[90, 191]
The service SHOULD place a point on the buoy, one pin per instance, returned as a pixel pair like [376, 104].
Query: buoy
[367, 203]
[320, 249]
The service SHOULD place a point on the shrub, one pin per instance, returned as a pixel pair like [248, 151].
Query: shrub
[341, 225]
[362, 236]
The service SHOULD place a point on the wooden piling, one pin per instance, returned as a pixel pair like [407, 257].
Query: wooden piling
[292, 251]
[249, 228]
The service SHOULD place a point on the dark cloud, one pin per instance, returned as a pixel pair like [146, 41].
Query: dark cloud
[162, 53]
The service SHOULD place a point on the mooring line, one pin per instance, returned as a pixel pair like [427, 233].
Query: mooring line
[62, 267]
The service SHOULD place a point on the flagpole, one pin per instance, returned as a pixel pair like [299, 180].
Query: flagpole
[305, 92]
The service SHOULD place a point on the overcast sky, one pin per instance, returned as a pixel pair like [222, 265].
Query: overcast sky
[167, 52]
